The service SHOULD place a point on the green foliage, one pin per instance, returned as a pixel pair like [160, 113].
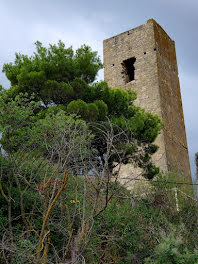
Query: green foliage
[16, 119]
[80, 87]
[60, 78]
[56, 64]
[124, 233]
[102, 109]
[87, 63]
[51, 131]
[189, 216]
[55, 92]
[78, 107]
[31, 82]
[150, 231]
[92, 112]
[145, 229]
[56, 119]
[1, 89]
[172, 250]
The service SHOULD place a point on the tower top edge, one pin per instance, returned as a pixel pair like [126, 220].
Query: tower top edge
[149, 21]
[153, 21]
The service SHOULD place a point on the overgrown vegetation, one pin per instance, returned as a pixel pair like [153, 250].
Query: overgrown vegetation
[65, 138]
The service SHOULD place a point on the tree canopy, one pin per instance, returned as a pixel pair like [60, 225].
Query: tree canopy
[60, 79]
[57, 123]
[55, 74]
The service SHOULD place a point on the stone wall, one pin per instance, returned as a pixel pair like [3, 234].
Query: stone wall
[156, 82]
[171, 105]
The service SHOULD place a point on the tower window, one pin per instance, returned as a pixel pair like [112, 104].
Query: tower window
[128, 70]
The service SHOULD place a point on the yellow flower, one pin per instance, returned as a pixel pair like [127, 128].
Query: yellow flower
[74, 201]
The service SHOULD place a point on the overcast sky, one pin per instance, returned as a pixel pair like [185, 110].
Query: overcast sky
[75, 22]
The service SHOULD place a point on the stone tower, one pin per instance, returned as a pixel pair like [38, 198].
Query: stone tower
[144, 59]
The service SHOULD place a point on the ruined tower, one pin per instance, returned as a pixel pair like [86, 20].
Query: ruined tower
[144, 59]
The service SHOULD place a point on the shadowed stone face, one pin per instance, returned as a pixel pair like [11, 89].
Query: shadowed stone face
[144, 59]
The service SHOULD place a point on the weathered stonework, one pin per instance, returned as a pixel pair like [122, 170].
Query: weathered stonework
[155, 79]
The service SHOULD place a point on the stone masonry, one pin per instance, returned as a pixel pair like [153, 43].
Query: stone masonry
[144, 59]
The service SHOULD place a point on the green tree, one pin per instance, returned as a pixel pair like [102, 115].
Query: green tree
[48, 73]
[60, 78]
